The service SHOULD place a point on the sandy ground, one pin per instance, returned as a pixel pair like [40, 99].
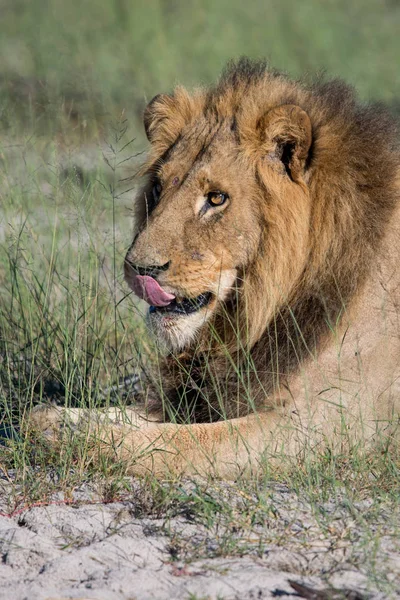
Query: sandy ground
[104, 552]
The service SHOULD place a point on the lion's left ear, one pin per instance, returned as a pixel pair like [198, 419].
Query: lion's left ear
[287, 133]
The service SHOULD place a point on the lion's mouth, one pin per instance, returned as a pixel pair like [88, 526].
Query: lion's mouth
[184, 306]
[147, 288]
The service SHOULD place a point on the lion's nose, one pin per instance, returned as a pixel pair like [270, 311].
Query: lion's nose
[149, 270]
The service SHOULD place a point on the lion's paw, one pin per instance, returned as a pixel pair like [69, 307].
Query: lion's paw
[52, 420]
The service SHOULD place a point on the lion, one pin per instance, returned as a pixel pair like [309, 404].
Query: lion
[267, 246]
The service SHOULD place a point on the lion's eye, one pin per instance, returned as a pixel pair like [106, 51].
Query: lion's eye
[217, 198]
[156, 191]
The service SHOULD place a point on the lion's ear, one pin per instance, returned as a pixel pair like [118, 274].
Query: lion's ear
[156, 114]
[287, 132]
[166, 115]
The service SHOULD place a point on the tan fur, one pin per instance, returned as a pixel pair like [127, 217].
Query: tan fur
[299, 348]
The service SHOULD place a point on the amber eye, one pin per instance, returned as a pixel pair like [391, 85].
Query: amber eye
[217, 198]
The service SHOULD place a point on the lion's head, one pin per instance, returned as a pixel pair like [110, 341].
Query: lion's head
[261, 193]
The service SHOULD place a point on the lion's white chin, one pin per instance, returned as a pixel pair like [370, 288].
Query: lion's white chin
[175, 332]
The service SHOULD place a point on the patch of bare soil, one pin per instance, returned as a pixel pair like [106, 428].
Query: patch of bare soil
[232, 549]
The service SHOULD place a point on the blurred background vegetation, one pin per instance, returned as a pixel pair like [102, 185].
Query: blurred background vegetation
[91, 59]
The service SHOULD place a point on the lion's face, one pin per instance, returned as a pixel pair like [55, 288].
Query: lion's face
[202, 229]
[208, 210]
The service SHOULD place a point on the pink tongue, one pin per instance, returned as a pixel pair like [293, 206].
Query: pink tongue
[149, 290]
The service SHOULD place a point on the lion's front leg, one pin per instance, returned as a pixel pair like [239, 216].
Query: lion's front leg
[224, 448]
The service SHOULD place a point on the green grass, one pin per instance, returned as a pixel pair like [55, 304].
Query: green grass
[66, 326]
[69, 79]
